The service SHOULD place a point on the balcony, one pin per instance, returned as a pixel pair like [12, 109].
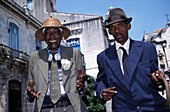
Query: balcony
[13, 57]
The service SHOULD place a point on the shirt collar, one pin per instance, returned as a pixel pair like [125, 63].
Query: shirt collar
[57, 51]
[125, 46]
[57, 56]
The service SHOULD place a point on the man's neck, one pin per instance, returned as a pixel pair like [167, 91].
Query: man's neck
[53, 49]
[125, 45]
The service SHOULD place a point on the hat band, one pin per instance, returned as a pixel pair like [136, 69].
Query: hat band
[58, 28]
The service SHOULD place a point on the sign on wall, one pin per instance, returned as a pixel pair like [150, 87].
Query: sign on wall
[74, 43]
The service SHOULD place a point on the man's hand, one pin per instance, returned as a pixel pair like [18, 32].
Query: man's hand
[156, 75]
[30, 91]
[108, 93]
[80, 80]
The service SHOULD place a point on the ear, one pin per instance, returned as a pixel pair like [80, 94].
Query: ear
[43, 35]
[129, 26]
[62, 34]
[109, 32]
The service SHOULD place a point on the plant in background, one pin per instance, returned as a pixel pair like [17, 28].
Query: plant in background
[10, 53]
[90, 98]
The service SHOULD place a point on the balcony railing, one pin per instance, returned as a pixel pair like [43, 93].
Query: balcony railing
[13, 53]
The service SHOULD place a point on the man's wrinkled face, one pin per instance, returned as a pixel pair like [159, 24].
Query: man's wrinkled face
[120, 31]
[52, 37]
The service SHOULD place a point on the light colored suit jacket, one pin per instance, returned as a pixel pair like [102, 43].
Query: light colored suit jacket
[139, 94]
[38, 72]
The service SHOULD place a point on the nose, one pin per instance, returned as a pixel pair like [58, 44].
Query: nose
[116, 29]
[51, 35]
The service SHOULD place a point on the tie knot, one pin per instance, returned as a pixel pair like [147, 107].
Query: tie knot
[53, 53]
[54, 56]
[123, 49]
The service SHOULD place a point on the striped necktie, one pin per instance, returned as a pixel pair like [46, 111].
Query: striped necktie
[55, 92]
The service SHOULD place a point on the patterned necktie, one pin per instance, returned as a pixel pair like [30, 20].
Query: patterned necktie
[125, 63]
[55, 92]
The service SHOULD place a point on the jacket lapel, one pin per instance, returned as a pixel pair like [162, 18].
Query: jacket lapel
[134, 56]
[113, 61]
[66, 54]
[42, 62]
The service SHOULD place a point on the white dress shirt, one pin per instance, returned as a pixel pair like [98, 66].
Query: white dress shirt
[120, 52]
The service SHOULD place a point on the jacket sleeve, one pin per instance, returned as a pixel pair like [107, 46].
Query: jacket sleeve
[30, 75]
[154, 59]
[79, 62]
[154, 67]
[101, 81]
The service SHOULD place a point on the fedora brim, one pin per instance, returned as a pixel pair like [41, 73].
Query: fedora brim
[128, 20]
[39, 33]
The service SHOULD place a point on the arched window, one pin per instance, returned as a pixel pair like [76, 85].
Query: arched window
[13, 36]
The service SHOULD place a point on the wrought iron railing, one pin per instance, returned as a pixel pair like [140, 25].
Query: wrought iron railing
[13, 53]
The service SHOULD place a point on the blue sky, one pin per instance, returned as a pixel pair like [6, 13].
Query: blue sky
[148, 15]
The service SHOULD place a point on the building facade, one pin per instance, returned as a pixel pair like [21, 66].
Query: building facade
[19, 20]
[161, 40]
[16, 41]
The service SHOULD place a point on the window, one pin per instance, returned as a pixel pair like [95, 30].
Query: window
[38, 44]
[74, 43]
[13, 36]
[29, 4]
[76, 31]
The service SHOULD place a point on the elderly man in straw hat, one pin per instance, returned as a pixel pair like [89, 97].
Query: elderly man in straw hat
[125, 70]
[56, 72]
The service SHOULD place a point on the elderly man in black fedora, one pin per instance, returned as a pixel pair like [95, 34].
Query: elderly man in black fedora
[128, 70]
[56, 72]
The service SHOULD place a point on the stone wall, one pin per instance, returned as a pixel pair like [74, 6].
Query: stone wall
[14, 63]
[12, 68]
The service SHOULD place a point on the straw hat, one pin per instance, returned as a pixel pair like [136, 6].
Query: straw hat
[116, 15]
[54, 23]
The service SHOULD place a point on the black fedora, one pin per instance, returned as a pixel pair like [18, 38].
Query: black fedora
[116, 15]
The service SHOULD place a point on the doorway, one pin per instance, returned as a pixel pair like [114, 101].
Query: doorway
[14, 96]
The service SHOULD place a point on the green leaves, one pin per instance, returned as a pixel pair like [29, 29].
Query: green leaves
[90, 98]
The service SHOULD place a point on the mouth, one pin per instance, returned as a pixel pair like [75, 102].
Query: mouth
[119, 35]
[51, 41]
